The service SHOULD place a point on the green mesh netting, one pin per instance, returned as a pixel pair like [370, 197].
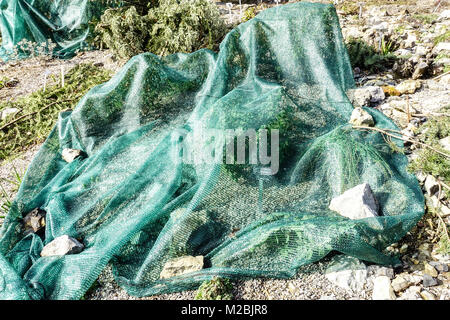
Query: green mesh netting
[133, 203]
[63, 24]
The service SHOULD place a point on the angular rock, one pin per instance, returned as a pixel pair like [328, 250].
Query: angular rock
[441, 267]
[381, 271]
[356, 203]
[431, 185]
[359, 97]
[181, 265]
[427, 295]
[408, 86]
[361, 117]
[429, 281]
[382, 289]
[34, 221]
[61, 246]
[376, 94]
[412, 293]
[420, 70]
[71, 154]
[400, 283]
[430, 270]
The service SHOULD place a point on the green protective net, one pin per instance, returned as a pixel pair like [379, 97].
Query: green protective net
[134, 204]
[30, 27]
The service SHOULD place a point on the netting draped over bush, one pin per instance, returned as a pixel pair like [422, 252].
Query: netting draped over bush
[60, 26]
[133, 203]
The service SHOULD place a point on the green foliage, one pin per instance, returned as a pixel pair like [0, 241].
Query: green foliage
[285, 122]
[429, 161]
[124, 31]
[425, 18]
[173, 26]
[442, 38]
[249, 14]
[5, 197]
[40, 109]
[215, 289]
[367, 58]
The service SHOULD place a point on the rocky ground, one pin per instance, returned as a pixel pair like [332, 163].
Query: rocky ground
[415, 89]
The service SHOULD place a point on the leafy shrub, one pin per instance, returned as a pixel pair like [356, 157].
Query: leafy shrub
[124, 31]
[170, 27]
[249, 14]
[215, 289]
[367, 58]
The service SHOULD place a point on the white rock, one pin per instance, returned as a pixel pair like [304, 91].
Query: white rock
[376, 93]
[350, 280]
[431, 185]
[382, 289]
[61, 246]
[412, 293]
[445, 143]
[381, 271]
[421, 51]
[408, 86]
[360, 117]
[359, 97]
[400, 283]
[356, 203]
[181, 265]
[70, 154]
[444, 15]
[441, 46]
[6, 113]
[445, 80]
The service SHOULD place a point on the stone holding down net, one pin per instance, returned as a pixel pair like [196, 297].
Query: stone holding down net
[131, 202]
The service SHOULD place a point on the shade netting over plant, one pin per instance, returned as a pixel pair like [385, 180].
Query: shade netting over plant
[134, 204]
[39, 26]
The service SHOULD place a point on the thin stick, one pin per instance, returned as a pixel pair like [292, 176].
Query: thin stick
[32, 113]
[441, 75]
[436, 114]
[401, 138]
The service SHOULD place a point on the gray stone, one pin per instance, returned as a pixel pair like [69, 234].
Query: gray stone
[359, 97]
[381, 271]
[429, 281]
[382, 289]
[376, 94]
[441, 267]
[61, 246]
[360, 117]
[70, 154]
[181, 265]
[356, 203]
[420, 70]
[441, 46]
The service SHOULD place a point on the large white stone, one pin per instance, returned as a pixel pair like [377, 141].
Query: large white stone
[382, 289]
[70, 154]
[61, 246]
[356, 203]
[6, 113]
[360, 117]
[181, 265]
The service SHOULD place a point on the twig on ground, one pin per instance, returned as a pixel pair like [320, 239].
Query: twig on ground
[386, 132]
[33, 113]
